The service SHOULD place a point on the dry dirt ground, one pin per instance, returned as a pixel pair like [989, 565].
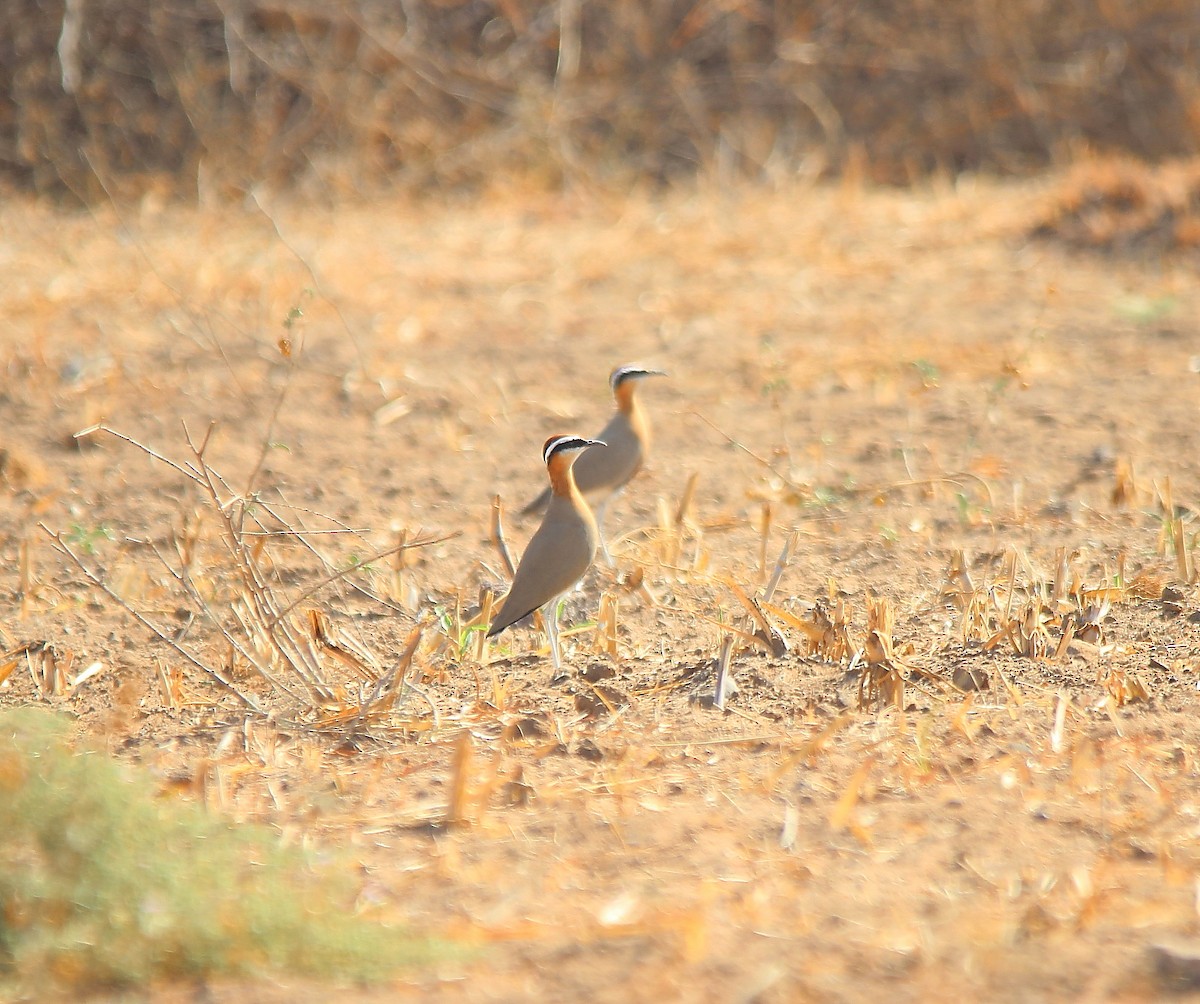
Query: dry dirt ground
[896, 377]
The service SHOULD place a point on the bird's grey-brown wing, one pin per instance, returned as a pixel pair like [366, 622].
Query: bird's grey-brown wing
[538, 504]
[603, 469]
[557, 556]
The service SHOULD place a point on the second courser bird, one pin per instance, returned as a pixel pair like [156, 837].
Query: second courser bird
[601, 473]
[561, 549]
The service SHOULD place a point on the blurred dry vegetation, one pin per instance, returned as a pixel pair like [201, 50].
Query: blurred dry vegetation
[207, 97]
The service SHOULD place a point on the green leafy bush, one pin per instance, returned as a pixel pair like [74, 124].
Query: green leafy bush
[102, 884]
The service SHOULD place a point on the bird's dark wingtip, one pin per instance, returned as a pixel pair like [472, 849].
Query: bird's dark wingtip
[502, 625]
[537, 505]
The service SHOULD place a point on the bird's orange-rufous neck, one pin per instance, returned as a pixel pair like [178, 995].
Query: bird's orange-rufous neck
[626, 403]
[628, 406]
[562, 481]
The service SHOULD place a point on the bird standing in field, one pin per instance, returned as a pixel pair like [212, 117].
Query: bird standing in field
[601, 473]
[561, 550]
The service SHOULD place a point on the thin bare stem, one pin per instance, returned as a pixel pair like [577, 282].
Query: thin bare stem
[100, 583]
[188, 472]
[342, 573]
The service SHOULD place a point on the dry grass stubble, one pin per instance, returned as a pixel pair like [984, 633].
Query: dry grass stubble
[972, 767]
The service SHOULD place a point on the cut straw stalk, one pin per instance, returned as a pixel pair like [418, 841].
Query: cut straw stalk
[25, 582]
[606, 625]
[486, 605]
[758, 630]
[724, 687]
[456, 808]
[498, 536]
[763, 539]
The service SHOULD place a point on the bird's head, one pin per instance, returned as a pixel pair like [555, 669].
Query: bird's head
[567, 447]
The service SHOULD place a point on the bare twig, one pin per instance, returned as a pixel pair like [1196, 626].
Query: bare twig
[188, 472]
[794, 486]
[97, 580]
[317, 285]
[376, 556]
[955, 478]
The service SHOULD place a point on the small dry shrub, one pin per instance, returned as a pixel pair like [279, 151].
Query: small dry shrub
[317, 672]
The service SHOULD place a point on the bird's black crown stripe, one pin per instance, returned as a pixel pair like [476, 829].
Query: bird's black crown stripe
[623, 373]
[556, 444]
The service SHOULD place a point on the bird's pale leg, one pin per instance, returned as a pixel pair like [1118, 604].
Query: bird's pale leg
[551, 618]
[600, 510]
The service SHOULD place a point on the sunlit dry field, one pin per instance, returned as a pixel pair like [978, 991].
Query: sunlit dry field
[971, 774]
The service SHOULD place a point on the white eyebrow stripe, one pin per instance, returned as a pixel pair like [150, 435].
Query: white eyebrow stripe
[565, 443]
[621, 373]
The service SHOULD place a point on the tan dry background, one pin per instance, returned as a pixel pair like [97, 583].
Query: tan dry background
[1005, 369]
